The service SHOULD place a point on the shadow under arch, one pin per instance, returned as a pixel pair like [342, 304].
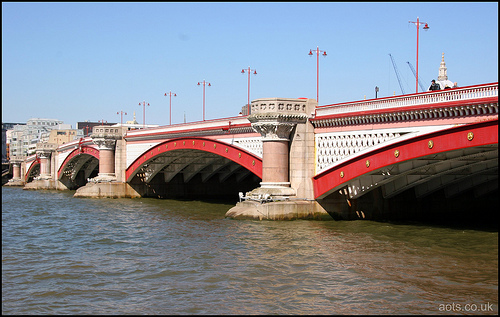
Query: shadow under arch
[194, 168]
[80, 164]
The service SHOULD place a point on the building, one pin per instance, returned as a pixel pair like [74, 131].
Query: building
[63, 135]
[6, 133]
[23, 138]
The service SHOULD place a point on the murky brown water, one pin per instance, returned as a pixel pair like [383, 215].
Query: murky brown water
[63, 255]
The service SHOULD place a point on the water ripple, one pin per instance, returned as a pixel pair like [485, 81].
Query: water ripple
[62, 255]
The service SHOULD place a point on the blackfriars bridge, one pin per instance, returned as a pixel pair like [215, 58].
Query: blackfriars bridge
[291, 158]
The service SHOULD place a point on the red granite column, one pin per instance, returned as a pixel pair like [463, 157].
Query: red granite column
[44, 163]
[275, 161]
[105, 138]
[106, 161]
[16, 170]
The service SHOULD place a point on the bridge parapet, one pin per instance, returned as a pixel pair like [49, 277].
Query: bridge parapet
[46, 147]
[420, 99]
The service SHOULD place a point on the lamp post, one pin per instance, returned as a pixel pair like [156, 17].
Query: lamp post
[376, 91]
[144, 113]
[204, 82]
[121, 117]
[170, 94]
[255, 73]
[317, 69]
[426, 27]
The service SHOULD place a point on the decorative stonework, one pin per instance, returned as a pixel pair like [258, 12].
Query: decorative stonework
[333, 147]
[275, 118]
[275, 131]
[253, 145]
[105, 137]
[43, 154]
[104, 143]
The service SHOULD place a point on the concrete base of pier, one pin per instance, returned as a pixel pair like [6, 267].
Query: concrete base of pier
[278, 210]
[14, 182]
[41, 184]
[106, 190]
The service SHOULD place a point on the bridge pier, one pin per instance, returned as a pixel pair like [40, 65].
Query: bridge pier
[45, 180]
[16, 179]
[288, 144]
[106, 184]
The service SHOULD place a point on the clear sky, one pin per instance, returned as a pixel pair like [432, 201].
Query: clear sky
[90, 60]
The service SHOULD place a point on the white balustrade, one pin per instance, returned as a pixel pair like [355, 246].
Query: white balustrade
[426, 98]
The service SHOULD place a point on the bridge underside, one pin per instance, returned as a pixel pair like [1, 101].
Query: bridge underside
[76, 172]
[459, 179]
[190, 173]
[33, 172]
[453, 184]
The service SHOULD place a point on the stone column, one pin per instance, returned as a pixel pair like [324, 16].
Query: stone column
[16, 170]
[105, 138]
[44, 152]
[275, 119]
[17, 175]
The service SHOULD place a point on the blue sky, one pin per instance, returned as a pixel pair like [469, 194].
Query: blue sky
[88, 61]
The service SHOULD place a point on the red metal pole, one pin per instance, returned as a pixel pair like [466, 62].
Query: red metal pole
[248, 95]
[204, 97]
[426, 27]
[170, 94]
[317, 70]
[248, 101]
[317, 74]
[416, 79]
[143, 113]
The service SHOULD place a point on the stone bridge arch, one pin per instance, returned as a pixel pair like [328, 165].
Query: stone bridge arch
[196, 161]
[81, 164]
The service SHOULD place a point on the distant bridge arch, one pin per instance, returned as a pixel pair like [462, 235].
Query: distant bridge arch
[81, 163]
[33, 170]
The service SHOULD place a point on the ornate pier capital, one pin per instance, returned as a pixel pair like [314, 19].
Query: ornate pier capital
[275, 118]
[44, 150]
[105, 137]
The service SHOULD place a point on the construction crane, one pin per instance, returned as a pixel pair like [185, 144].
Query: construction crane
[397, 74]
[415, 74]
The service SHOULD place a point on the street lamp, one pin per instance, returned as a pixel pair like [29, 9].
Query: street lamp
[170, 94]
[376, 91]
[121, 112]
[203, 82]
[317, 69]
[426, 27]
[144, 113]
[255, 73]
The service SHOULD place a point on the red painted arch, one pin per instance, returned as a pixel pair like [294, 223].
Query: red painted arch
[483, 133]
[35, 163]
[79, 151]
[244, 158]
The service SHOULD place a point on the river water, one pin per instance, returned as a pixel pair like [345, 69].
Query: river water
[65, 255]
